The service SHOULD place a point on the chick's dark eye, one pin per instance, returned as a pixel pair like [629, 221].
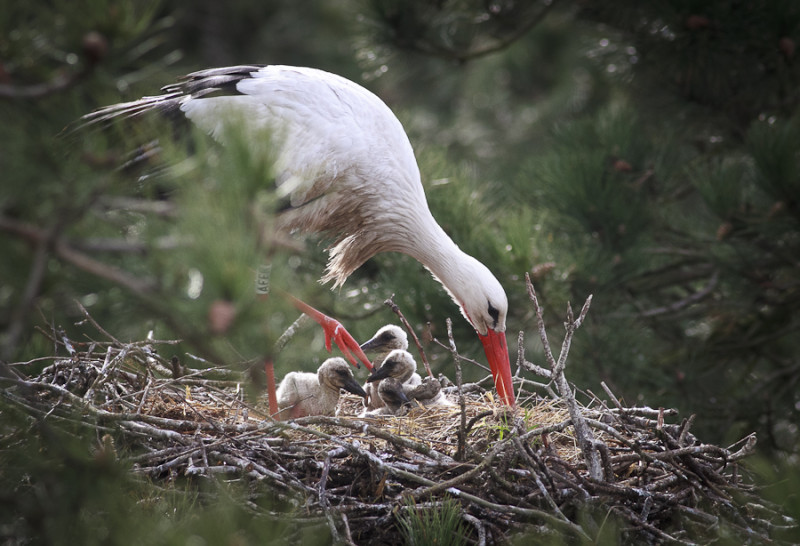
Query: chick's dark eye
[494, 313]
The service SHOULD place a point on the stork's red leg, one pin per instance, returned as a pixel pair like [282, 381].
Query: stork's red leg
[269, 368]
[271, 394]
[334, 331]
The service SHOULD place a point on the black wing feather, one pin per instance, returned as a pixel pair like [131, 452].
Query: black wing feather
[203, 83]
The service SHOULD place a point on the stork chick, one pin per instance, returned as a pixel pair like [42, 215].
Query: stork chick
[385, 340]
[394, 398]
[303, 393]
[429, 393]
[398, 364]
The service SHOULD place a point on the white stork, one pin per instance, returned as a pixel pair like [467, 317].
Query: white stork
[348, 169]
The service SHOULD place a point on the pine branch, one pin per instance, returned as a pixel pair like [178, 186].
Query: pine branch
[60, 82]
[685, 302]
[442, 28]
[69, 254]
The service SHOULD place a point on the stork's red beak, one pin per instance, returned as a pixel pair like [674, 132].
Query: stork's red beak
[494, 343]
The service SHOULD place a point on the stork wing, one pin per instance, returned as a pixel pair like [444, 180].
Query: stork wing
[342, 158]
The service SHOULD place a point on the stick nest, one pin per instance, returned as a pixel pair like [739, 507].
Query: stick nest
[510, 470]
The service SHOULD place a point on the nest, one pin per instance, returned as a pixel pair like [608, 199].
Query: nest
[509, 470]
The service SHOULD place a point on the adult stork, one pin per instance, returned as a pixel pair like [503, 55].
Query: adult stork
[348, 170]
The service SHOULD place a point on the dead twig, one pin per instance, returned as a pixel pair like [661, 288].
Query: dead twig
[589, 444]
[462, 429]
[393, 306]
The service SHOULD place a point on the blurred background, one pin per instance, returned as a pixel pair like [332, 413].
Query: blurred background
[647, 153]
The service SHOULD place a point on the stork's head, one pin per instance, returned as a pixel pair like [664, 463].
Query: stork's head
[482, 300]
[335, 374]
[391, 392]
[387, 339]
[484, 304]
[398, 364]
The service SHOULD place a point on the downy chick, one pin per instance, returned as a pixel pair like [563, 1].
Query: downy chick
[303, 393]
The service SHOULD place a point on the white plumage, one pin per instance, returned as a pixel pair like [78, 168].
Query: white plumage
[347, 168]
[303, 393]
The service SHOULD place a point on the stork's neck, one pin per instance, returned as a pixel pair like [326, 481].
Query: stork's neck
[441, 256]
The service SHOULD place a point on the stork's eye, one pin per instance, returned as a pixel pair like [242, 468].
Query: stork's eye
[494, 313]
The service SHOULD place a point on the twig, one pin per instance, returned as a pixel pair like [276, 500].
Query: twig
[61, 81]
[393, 306]
[447, 51]
[20, 314]
[530, 366]
[611, 395]
[348, 537]
[586, 440]
[685, 302]
[378, 432]
[521, 450]
[95, 324]
[479, 528]
[326, 467]
[462, 429]
[462, 357]
[287, 335]
[67, 253]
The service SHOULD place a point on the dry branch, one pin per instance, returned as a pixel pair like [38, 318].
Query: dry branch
[396, 310]
[592, 448]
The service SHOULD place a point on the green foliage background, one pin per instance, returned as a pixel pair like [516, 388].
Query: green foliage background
[642, 152]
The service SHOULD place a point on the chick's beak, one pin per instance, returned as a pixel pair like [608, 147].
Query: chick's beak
[378, 374]
[352, 386]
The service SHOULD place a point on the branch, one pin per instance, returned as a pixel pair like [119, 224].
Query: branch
[60, 82]
[393, 306]
[589, 445]
[530, 366]
[446, 51]
[462, 429]
[685, 302]
[26, 301]
[66, 252]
